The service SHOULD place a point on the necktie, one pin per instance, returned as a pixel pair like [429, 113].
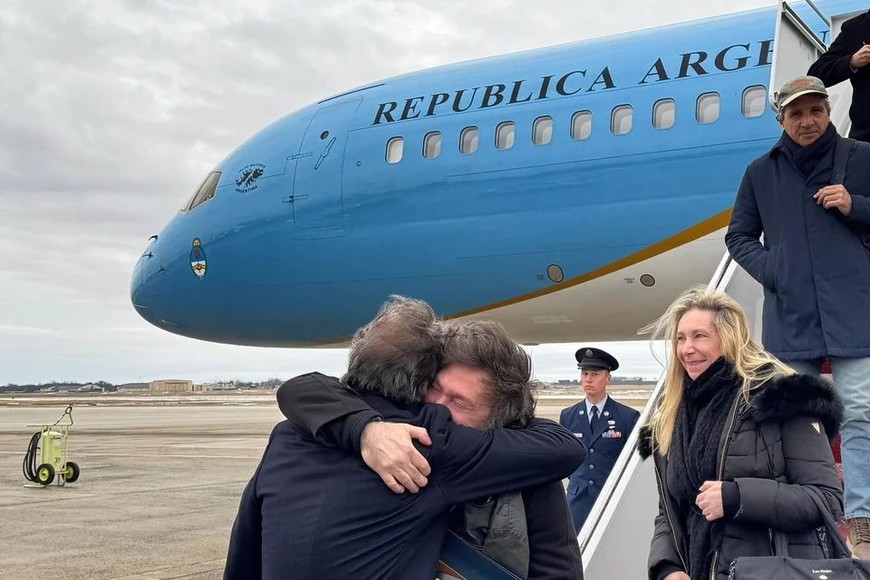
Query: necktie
[593, 421]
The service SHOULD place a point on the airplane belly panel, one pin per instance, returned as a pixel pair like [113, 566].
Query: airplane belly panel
[615, 305]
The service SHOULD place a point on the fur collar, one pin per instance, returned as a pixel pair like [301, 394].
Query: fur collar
[780, 400]
[788, 397]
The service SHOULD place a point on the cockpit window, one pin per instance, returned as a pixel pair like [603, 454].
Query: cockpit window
[204, 192]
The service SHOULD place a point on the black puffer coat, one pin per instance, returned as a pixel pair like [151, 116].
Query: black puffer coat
[773, 448]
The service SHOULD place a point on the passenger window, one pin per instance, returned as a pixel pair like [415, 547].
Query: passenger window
[205, 191]
[664, 114]
[621, 119]
[581, 125]
[707, 110]
[542, 130]
[504, 135]
[432, 145]
[468, 140]
[754, 101]
[395, 149]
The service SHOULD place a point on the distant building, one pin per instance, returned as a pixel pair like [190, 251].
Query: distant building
[171, 386]
[134, 387]
[90, 388]
[221, 386]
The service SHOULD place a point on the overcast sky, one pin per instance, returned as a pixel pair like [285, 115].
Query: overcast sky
[113, 111]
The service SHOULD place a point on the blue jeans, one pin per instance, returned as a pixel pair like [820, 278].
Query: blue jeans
[852, 381]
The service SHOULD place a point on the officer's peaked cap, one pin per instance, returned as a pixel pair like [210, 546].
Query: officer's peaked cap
[595, 358]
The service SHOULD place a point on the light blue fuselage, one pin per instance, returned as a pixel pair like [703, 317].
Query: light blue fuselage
[310, 228]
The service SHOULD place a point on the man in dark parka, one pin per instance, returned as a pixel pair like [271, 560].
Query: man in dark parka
[814, 265]
[849, 58]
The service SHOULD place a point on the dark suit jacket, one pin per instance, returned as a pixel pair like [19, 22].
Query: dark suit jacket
[315, 511]
[331, 410]
[833, 67]
[603, 447]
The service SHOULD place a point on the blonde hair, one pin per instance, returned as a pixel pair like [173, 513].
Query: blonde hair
[754, 365]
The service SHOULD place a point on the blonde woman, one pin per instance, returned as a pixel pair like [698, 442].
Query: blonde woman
[738, 441]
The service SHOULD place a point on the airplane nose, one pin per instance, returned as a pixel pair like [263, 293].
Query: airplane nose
[139, 292]
[151, 283]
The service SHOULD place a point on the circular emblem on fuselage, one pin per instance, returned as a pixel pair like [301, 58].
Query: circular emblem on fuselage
[197, 259]
[246, 178]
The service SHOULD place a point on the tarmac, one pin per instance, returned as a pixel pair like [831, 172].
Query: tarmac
[158, 491]
[160, 484]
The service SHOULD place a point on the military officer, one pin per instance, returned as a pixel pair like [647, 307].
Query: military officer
[601, 424]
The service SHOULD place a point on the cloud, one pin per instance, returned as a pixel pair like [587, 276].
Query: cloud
[113, 112]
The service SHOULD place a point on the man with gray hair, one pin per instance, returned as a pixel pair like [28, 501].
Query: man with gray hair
[810, 198]
[317, 511]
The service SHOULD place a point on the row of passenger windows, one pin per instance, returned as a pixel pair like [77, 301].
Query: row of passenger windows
[664, 114]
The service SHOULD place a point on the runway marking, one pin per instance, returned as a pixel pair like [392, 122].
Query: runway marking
[103, 493]
[158, 455]
[176, 572]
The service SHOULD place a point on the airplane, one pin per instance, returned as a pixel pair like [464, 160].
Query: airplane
[568, 192]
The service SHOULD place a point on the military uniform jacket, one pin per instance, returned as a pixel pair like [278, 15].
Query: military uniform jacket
[603, 446]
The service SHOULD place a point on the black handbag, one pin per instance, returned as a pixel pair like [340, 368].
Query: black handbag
[780, 567]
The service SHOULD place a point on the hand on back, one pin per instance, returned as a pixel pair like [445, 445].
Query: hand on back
[388, 449]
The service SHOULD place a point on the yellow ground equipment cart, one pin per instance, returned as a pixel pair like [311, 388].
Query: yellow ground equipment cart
[46, 458]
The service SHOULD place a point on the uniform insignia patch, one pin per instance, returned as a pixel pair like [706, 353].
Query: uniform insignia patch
[817, 426]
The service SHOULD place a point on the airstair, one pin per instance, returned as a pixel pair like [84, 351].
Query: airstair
[616, 537]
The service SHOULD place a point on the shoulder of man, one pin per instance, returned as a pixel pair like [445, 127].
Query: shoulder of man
[856, 23]
[621, 406]
[435, 418]
[572, 411]
[860, 148]
[762, 164]
[767, 157]
[313, 377]
[859, 160]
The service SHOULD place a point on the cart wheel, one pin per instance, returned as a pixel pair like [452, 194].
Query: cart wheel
[71, 471]
[45, 474]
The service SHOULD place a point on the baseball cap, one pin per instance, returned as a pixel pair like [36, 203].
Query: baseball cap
[797, 88]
